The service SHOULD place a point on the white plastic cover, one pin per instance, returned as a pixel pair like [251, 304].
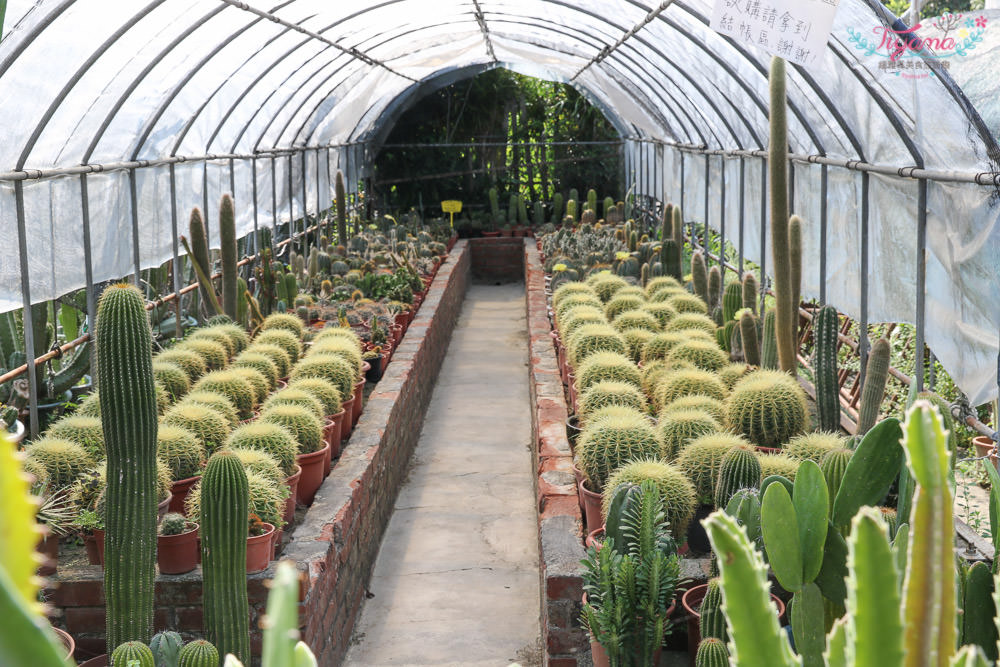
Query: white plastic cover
[103, 81]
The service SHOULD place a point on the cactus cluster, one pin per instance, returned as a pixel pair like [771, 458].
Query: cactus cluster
[636, 319]
[283, 338]
[680, 427]
[257, 381]
[260, 463]
[212, 353]
[216, 402]
[260, 363]
[688, 322]
[216, 336]
[814, 446]
[711, 406]
[84, 431]
[689, 382]
[278, 355]
[778, 465]
[322, 390]
[64, 461]
[301, 422]
[609, 442]
[181, 450]
[269, 438]
[331, 368]
[635, 341]
[620, 304]
[294, 396]
[701, 458]
[605, 285]
[342, 348]
[688, 303]
[606, 367]
[192, 363]
[701, 354]
[592, 338]
[767, 407]
[233, 386]
[679, 499]
[604, 393]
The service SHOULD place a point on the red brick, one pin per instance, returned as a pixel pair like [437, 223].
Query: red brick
[562, 662]
[85, 619]
[190, 619]
[564, 588]
[78, 594]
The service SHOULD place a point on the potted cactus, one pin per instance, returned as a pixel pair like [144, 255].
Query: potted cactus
[177, 545]
[10, 424]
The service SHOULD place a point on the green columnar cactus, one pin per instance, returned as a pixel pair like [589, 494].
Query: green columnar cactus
[699, 276]
[748, 338]
[978, 620]
[795, 270]
[494, 205]
[557, 208]
[768, 407]
[712, 653]
[739, 469]
[607, 444]
[667, 223]
[876, 376]
[750, 291]
[670, 258]
[571, 211]
[132, 654]
[166, 646]
[224, 528]
[826, 329]
[732, 301]
[199, 653]
[633, 242]
[227, 240]
[538, 214]
[129, 418]
[769, 342]
[512, 202]
[199, 252]
[712, 623]
[592, 200]
[777, 181]
[522, 210]
[714, 286]
[834, 467]
[340, 194]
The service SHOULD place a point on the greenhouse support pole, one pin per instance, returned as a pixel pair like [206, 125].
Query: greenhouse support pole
[921, 315]
[232, 179]
[824, 183]
[722, 216]
[319, 200]
[681, 153]
[863, 324]
[256, 208]
[763, 235]
[274, 201]
[134, 200]
[88, 267]
[743, 172]
[932, 374]
[305, 209]
[29, 332]
[179, 333]
[204, 199]
[708, 171]
[291, 206]
[791, 187]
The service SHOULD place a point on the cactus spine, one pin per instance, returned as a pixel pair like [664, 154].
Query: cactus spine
[739, 469]
[712, 623]
[769, 342]
[732, 301]
[777, 163]
[748, 338]
[198, 653]
[340, 193]
[750, 292]
[129, 421]
[227, 239]
[699, 275]
[876, 375]
[224, 500]
[826, 329]
[132, 654]
[712, 653]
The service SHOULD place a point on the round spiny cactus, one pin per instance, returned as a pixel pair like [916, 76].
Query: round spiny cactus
[580, 302]
[768, 407]
[214, 335]
[659, 282]
[592, 338]
[730, 374]
[660, 345]
[688, 382]
[63, 460]
[699, 353]
[338, 333]
[90, 406]
[284, 321]
[778, 464]
[688, 303]
[172, 378]
[277, 354]
[191, 362]
[579, 317]
[132, 654]
[164, 481]
[260, 363]
[233, 386]
[636, 319]
[340, 348]
[687, 322]
[301, 422]
[711, 406]
[612, 439]
[814, 446]
[635, 341]
[282, 338]
[216, 402]
[266, 499]
[84, 431]
[602, 394]
[568, 289]
[605, 285]
[322, 390]
[237, 336]
[712, 652]
[662, 311]
[294, 396]
[631, 290]
[198, 653]
[163, 400]
[680, 427]
[665, 294]
[621, 304]
[39, 477]
[331, 368]
[262, 463]
[212, 353]
[834, 465]
[257, 381]
[701, 459]
[181, 450]
[606, 366]
[269, 438]
[739, 469]
[678, 494]
[173, 524]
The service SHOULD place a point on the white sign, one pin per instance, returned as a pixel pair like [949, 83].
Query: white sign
[796, 30]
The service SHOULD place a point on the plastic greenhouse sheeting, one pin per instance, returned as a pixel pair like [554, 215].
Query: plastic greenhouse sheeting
[110, 81]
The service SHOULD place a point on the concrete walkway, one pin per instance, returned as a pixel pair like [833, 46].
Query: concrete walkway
[456, 580]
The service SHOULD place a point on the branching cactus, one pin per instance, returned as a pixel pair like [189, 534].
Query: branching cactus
[129, 419]
[224, 501]
[826, 329]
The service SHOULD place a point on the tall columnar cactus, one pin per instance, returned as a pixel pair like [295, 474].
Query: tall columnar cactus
[199, 251]
[129, 418]
[557, 208]
[714, 286]
[592, 200]
[571, 210]
[750, 291]
[340, 193]
[712, 653]
[512, 203]
[876, 375]
[670, 259]
[522, 210]
[795, 270]
[834, 467]
[538, 214]
[826, 329]
[748, 338]
[230, 272]
[732, 301]
[494, 205]
[224, 500]
[769, 342]
[678, 228]
[667, 223]
[199, 653]
[633, 241]
[777, 163]
[699, 275]
[739, 469]
[712, 622]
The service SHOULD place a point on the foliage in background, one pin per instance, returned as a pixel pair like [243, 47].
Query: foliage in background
[933, 8]
[498, 107]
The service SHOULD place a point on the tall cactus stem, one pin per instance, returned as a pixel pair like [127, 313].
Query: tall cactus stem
[876, 375]
[230, 272]
[826, 329]
[777, 163]
[748, 339]
[340, 192]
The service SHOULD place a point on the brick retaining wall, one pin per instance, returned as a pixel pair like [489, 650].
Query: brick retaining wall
[499, 259]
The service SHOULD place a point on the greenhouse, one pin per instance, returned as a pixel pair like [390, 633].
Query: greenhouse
[492, 332]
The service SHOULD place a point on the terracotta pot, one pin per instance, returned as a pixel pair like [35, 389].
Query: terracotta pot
[573, 430]
[279, 535]
[491, 235]
[180, 490]
[348, 422]
[99, 661]
[591, 505]
[162, 508]
[68, 642]
[49, 547]
[984, 447]
[312, 474]
[94, 556]
[768, 450]
[594, 538]
[578, 474]
[99, 544]
[293, 488]
[333, 434]
[359, 393]
[259, 550]
[691, 601]
[177, 554]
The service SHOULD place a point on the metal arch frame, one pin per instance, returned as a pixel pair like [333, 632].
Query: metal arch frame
[607, 51]
[481, 20]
